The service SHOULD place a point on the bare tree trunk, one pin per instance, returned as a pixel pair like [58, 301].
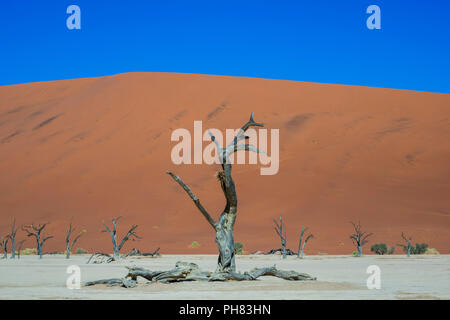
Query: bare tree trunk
[39, 246]
[301, 247]
[280, 228]
[223, 228]
[225, 242]
[12, 236]
[19, 248]
[304, 244]
[69, 245]
[5, 245]
[13, 248]
[300, 241]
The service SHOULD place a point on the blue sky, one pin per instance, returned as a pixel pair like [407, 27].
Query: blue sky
[317, 41]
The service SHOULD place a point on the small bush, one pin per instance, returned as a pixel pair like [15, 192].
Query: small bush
[391, 250]
[28, 251]
[431, 251]
[355, 253]
[81, 251]
[194, 244]
[238, 246]
[379, 248]
[420, 248]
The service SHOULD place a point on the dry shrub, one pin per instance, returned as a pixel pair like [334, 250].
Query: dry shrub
[431, 251]
[28, 251]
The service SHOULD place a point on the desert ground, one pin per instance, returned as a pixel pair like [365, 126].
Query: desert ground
[94, 148]
[338, 277]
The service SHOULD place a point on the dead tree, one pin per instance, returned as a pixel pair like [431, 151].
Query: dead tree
[226, 267]
[280, 229]
[301, 247]
[408, 245]
[69, 245]
[12, 237]
[359, 238]
[225, 225]
[4, 245]
[36, 231]
[19, 248]
[131, 235]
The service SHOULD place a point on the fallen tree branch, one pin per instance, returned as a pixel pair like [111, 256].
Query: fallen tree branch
[100, 257]
[185, 271]
[135, 252]
[126, 283]
[289, 252]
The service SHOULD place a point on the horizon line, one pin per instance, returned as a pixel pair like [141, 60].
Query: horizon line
[219, 75]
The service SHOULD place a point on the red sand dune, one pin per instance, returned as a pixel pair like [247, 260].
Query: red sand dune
[99, 147]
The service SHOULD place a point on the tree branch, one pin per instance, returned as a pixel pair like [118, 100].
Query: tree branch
[129, 234]
[194, 198]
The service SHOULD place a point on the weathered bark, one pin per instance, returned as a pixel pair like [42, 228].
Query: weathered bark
[69, 245]
[301, 247]
[359, 238]
[36, 231]
[131, 235]
[186, 271]
[281, 231]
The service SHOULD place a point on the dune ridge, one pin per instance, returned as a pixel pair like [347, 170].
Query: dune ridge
[93, 148]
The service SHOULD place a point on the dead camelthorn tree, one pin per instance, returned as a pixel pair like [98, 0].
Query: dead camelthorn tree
[408, 245]
[280, 229]
[12, 237]
[19, 248]
[225, 225]
[4, 245]
[36, 231]
[226, 267]
[359, 238]
[69, 245]
[301, 247]
[130, 235]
